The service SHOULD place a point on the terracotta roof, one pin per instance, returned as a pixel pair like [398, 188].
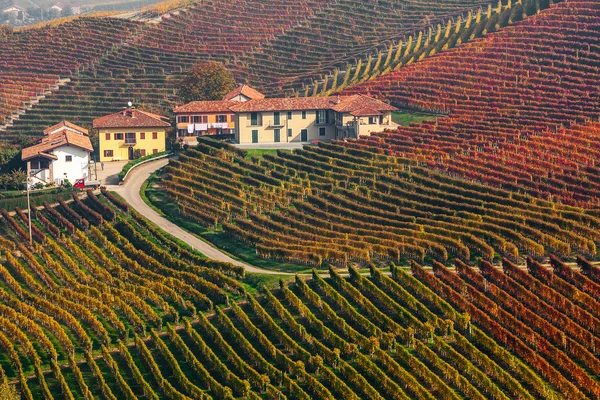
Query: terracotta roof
[65, 124]
[365, 112]
[344, 104]
[217, 106]
[348, 104]
[131, 118]
[55, 140]
[245, 90]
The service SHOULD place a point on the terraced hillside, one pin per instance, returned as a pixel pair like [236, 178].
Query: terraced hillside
[101, 307]
[522, 107]
[145, 66]
[336, 203]
[33, 61]
[339, 34]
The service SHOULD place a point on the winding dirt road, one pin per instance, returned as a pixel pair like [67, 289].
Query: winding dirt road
[130, 191]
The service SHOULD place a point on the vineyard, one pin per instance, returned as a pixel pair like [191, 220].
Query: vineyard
[104, 304]
[111, 61]
[338, 203]
[523, 107]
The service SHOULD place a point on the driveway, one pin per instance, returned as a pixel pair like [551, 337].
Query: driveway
[130, 191]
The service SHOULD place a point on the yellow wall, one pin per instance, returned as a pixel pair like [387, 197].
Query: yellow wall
[266, 128]
[121, 151]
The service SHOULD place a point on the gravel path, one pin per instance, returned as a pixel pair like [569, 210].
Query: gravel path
[130, 191]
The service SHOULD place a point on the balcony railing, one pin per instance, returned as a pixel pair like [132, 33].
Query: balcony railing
[130, 142]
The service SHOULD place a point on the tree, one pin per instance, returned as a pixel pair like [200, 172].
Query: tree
[53, 13]
[67, 11]
[206, 81]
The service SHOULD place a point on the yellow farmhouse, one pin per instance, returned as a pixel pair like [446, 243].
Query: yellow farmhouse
[304, 119]
[122, 133]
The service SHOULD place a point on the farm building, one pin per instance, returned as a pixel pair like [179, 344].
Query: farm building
[310, 118]
[212, 117]
[122, 133]
[63, 153]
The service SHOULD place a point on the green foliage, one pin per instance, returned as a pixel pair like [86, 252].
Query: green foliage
[138, 160]
[13, 180]
[206, 81]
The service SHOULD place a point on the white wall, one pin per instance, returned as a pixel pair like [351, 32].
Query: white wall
[73, 170]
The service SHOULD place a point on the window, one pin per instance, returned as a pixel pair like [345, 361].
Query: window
[196, 119]
[142, 152]
[68, 158]
[130, 138]
[253, 119]
[154, 151]
[35, 164]
[303, 114]
[142, 135]
[108, 153]
[289, 115]
[107, 136]
[221, 118]
[372, 120]
[118, 136]
[322, 131]
[321, 116]
[184, 118]
[154, 135]
[276, 118]
[289, 132]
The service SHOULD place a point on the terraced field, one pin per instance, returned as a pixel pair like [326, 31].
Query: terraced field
[99, 306]
[141, 62]
[522, 107]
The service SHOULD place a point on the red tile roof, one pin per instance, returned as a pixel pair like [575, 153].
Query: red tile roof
[63, 124]
[55, 140]
[217, 106]
[344, 104]
[131, 118]
[245, 90]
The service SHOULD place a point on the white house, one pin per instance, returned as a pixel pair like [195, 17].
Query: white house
[75, 8]
[15, 10]
[64, 153]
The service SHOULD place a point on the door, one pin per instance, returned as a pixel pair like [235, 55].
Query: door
[277, 135]
[276, 118]
[130, 153]
[255, 136]
[304, 135]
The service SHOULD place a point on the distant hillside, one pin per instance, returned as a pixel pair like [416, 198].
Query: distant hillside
[257, 40]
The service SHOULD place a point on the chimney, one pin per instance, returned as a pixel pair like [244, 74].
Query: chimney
[124, 112]
[337, 99]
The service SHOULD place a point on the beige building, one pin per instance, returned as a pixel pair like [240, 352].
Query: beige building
[305, 119]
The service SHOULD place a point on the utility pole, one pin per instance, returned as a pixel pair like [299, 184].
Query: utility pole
[28, 203]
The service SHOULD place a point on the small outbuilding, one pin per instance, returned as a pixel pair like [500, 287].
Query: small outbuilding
[63, 153]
